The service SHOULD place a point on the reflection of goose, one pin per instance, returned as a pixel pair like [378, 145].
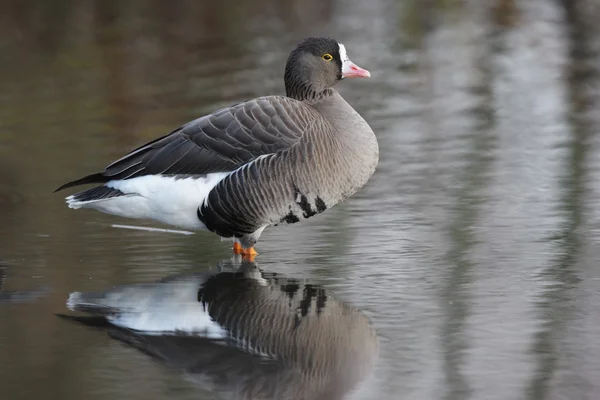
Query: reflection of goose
[253, 335]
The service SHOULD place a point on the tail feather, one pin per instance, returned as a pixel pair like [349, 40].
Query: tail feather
[93, 178]
[97, 193]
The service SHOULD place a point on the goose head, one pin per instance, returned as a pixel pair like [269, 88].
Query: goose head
[315, 65]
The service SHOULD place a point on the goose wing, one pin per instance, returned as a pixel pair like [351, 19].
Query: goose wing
[219, 142]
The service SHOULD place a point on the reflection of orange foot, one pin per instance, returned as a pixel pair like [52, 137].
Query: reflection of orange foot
[249, 253]
[237, 248]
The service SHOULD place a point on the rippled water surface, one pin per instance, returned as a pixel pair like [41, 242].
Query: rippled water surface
[473, 249]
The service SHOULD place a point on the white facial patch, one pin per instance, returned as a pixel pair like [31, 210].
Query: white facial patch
[343, 54]
[346, 63]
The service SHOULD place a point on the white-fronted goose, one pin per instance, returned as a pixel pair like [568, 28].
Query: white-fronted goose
[271, 160]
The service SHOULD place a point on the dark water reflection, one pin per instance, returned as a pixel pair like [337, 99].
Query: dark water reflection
[473, 249]
[271, 337]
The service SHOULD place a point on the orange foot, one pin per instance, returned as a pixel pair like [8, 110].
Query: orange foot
[249, 254]
[237, 248]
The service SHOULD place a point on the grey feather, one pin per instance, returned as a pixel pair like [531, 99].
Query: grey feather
[334, 158]
[220, 142]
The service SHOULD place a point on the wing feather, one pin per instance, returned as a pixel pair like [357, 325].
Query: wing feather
[219, 142]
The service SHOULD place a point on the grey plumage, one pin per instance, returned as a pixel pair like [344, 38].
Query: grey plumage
[284, 338]
[219, 142]
[288, 158]
[325, 166]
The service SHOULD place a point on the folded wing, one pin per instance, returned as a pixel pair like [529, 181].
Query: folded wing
[219, 142]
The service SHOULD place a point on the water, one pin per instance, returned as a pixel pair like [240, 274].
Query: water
[473, 249]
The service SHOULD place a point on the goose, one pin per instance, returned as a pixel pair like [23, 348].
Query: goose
[268, 161]
[241, 331]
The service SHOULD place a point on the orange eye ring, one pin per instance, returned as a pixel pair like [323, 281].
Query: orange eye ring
[327, 57]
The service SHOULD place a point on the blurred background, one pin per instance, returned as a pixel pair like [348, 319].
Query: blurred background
[473, 249]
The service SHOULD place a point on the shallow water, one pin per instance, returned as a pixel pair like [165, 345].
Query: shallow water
[473, 249]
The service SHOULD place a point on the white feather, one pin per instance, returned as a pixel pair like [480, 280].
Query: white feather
[166, 199]
[343, 54]
[152, 308]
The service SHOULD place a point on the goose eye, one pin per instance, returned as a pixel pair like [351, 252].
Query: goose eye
[327, 57]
